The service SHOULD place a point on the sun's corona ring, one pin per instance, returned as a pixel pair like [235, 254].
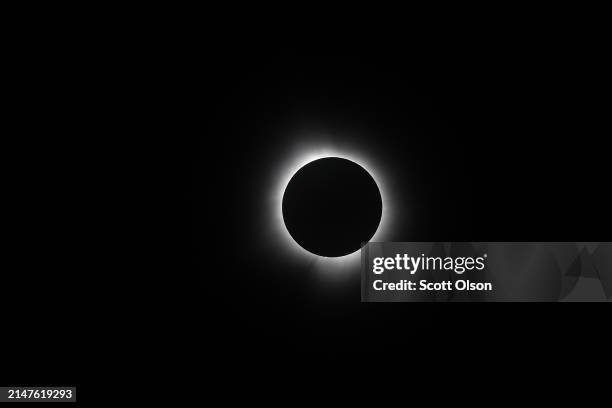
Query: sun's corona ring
[336, 265]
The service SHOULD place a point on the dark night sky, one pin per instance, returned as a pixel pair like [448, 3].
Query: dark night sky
[107, 131]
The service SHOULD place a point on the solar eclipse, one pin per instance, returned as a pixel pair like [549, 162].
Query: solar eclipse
[331, 206]
[319, 258]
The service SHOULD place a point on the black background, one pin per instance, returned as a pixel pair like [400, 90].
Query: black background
[496, 140]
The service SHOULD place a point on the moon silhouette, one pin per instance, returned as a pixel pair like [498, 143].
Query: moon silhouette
[332, 206]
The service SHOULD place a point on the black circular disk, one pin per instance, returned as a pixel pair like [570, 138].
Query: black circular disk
[331, 206]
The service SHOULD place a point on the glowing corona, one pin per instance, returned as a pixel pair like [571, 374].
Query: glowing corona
[289, 167]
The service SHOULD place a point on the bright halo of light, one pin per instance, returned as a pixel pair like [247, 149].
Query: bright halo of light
[304, 155]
